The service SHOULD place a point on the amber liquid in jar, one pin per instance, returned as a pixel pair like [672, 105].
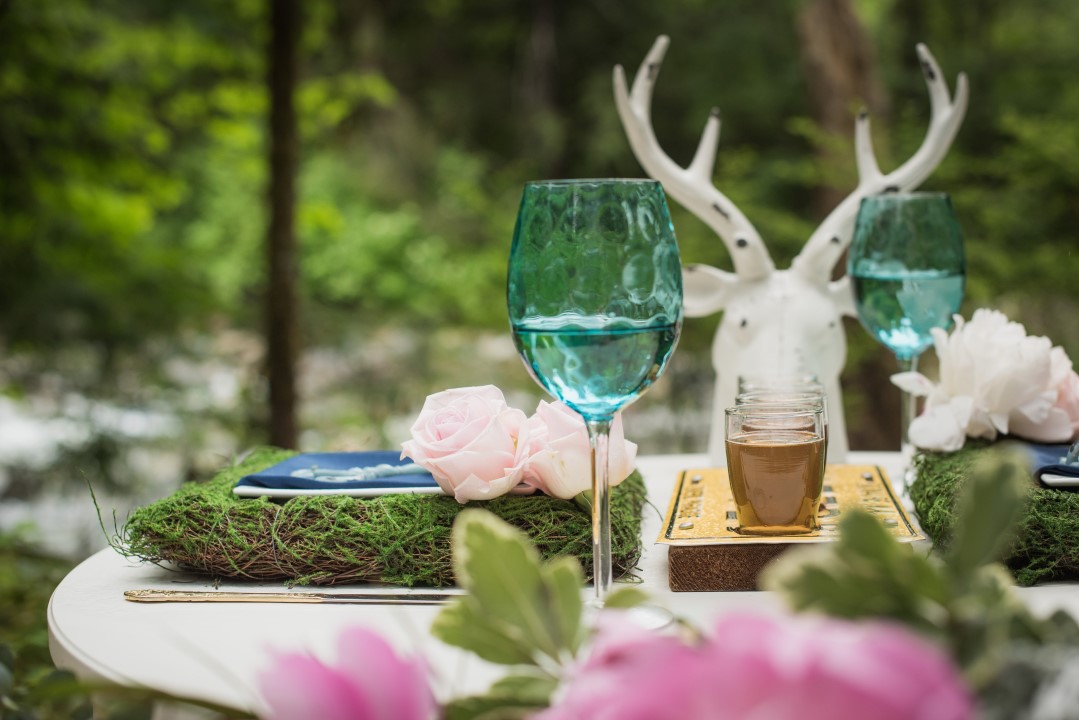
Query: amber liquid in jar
[776, 478]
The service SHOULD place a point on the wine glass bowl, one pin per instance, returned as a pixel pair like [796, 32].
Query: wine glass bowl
[908, 268]
[594, 293]
[594, 289]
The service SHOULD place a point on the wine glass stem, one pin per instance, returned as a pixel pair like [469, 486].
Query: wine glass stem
[907, 411]
[598, 436]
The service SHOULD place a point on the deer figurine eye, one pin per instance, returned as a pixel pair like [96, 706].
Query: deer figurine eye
[787, 319]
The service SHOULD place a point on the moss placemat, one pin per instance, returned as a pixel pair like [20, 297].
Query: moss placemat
[398, 539]
[1046, 546]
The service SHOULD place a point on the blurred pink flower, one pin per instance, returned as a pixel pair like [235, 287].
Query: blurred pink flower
[369, 682]
[560, 463]
[762, 667]
[471, 441]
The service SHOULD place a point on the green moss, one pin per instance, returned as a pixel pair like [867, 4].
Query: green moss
[1046, 546]
[399, 539]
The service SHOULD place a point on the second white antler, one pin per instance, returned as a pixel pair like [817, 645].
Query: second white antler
[828, 242]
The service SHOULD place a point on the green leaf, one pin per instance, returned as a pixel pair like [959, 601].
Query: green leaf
[462, 625]
[863, 537]
[865, 573]
[583, 500]
[991, 503]
[511, 698]
[533, 688]
[518, 609]
[501, 570]
[562, 581]
[1060, 627]
[625, 596]
[489, 708]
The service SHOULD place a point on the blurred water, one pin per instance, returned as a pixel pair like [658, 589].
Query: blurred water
[196, 410]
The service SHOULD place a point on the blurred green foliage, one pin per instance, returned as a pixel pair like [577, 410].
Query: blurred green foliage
[133, 136]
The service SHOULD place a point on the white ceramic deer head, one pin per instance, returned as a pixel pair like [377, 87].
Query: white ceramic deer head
[777, 321]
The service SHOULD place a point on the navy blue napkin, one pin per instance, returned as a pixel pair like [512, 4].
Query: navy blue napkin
[1047, 460]
[280, 477]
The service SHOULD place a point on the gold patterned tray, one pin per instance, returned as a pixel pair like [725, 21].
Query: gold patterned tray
[707, 552]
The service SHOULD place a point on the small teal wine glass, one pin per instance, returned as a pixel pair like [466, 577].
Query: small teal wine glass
[908, 268]
[595, 304]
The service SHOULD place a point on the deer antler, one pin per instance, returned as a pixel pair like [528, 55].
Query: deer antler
[691, 186]
[827, 243]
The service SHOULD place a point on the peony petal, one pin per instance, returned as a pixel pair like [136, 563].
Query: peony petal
[1055, 428]
[299, 687]
[913, 382]
[937, 429]
[962, 408]
[980, 426]
[999, 421]
[397, 687]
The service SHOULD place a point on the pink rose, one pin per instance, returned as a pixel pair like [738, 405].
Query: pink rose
[756, 666]
[471, 441]
[369, 682]
[561, 460]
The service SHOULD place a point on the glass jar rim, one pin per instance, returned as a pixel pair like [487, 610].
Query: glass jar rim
[777, 409]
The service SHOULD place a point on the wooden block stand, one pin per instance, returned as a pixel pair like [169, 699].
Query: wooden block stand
[707, 553]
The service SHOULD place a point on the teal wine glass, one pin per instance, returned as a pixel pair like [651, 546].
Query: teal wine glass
[595, 305]
[908, 269]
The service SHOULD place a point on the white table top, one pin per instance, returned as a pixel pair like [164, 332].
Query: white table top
[216, 651]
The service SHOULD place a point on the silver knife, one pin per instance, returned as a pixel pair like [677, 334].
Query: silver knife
[363, 598]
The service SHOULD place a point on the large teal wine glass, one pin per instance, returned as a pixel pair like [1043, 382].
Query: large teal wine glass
[595, 304]
[908, 268]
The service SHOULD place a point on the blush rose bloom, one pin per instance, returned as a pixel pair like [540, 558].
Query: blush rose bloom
[994, 379]
[756, 666]
[561, 460]
[369, 682]
[471, 441]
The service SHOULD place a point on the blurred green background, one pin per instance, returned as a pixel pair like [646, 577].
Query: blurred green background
[133, 204]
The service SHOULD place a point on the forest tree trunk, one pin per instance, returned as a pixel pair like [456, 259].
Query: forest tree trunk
[841, 75]
[282, 332]
[542, 133]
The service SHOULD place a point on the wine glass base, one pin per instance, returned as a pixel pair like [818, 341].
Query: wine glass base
[650, 617]
[646, 617]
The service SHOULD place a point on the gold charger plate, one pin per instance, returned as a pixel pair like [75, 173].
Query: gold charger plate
[708, 553]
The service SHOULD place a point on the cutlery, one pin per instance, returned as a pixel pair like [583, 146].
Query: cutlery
[362, 598]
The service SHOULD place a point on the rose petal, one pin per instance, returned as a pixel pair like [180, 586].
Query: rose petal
[469, 436]
[560, 462]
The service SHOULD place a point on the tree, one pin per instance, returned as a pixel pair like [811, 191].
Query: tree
[282, 331]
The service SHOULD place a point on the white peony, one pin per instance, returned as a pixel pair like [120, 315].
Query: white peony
[994, 380]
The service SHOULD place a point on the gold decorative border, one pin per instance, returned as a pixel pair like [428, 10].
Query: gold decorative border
[702, 511]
